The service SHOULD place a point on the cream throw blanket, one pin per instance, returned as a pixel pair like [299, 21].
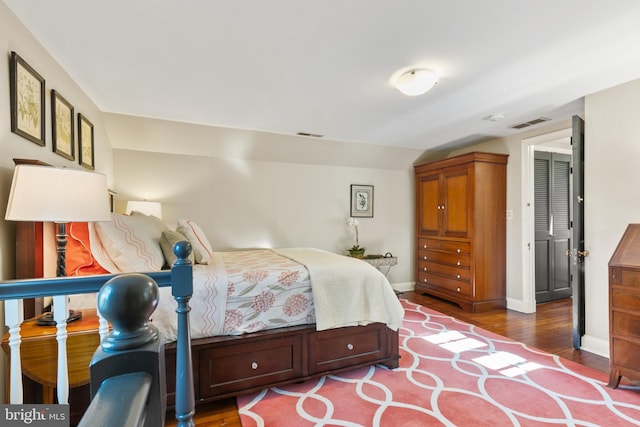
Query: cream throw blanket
[347, 291]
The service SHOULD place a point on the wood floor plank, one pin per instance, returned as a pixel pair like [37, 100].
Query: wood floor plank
[549, 329]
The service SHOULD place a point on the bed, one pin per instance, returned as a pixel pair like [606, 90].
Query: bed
[259, 317]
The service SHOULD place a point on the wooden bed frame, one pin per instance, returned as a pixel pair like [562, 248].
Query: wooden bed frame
[227, 366]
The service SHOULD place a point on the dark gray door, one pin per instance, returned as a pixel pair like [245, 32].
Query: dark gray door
[577, 252]
[552, 225]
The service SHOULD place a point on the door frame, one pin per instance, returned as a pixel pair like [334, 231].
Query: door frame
[528, 213]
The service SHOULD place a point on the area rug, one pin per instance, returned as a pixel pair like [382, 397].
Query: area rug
[451, 374]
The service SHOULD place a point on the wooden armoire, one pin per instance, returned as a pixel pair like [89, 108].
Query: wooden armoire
[461, 230]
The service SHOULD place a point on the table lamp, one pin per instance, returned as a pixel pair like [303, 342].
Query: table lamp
[58, 195]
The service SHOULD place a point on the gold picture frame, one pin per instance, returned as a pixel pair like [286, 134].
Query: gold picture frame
[27, 89]
[85, 143]
[62, 129]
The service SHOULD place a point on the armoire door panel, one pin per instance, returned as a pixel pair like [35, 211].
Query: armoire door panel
[429, 200]
[456, 204]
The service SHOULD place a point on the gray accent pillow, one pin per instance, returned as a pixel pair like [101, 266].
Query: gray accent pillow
[167, 240]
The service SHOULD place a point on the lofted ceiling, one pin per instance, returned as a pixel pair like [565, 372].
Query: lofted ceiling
[324, 66]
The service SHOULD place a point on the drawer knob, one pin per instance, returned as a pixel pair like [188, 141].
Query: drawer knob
[425, 269]
[425, 257]
[349, 346]
[254, 365]
[425, 246]
[458, 262]
[458, 289]
[458, 250]
[424, 280]
[458, 276]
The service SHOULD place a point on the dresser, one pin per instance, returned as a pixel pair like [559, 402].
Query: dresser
[461, 230]
[624, 308]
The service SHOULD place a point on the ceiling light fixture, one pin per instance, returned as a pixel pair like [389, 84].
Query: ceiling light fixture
[416, 81]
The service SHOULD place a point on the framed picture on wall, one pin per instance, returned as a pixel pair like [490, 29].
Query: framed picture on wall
[62, 126]
[85, 142]
[361, 201]
[26, 88]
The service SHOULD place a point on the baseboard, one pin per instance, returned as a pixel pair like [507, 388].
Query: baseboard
[403, 286]
[595, 345]
[519, 305]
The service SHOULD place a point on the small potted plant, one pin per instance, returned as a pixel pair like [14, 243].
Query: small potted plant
[355, 251]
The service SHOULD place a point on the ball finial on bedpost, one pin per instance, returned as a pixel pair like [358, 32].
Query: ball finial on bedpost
[182, 250]
[127, 301]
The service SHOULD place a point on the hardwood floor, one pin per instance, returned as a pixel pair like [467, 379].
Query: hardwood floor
[548, 329]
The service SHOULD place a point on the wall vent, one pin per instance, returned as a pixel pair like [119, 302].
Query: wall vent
[312, 135]
[530, 123]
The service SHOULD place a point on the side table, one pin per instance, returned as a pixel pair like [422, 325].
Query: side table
[39, 353]
[382, 262]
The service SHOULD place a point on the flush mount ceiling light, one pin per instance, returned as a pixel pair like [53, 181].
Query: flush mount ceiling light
[416, 81]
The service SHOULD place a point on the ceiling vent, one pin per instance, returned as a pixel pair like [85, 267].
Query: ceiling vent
[530, 123]
[312, 135]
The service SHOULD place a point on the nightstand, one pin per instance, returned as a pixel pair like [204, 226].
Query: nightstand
[39, 354]
[382, 263]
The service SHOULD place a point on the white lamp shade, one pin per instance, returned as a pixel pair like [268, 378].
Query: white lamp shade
[50, 194]
[147, 208]
[417, 81]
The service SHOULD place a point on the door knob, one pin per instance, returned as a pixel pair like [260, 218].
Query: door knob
[583, 253]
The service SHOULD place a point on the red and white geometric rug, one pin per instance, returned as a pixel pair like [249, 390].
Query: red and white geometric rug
[451, 374]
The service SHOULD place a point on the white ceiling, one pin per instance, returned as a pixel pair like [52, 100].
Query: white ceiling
[324, 66]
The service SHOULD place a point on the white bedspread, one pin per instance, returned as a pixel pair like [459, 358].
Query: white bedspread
[347, 291]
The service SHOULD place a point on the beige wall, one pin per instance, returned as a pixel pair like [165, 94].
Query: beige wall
[254, 189]
[14, 37]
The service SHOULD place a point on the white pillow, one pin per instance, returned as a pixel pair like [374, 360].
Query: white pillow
[199, 242]
[132, 242]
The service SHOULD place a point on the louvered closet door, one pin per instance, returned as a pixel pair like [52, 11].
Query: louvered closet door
[552, 225]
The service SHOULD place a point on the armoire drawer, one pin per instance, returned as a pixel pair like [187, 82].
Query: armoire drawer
[450, 258]
[445, 283]
[445, 245]
[455, 272]
[335, 348]
[239, 366]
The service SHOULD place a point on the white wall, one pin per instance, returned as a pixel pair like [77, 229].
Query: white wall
[14, 37]
[612, 157]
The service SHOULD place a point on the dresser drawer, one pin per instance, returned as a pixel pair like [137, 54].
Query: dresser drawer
[240, 366]
[337, 348]
[625, 353]
[445, 245]
[452, 285]
[630, 278]
[625, 300]
[455, 272]
[461, 260]
[625, 324]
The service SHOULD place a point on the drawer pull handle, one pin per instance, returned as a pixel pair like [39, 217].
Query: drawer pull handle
[458, 289]
[458, 276]
[349, 346]
[254, 365]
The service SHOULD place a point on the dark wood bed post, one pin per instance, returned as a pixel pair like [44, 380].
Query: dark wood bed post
[182, 290]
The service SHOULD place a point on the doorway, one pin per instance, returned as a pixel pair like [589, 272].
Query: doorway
[552, 224]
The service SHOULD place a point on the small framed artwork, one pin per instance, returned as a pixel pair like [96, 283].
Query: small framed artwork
[85, 142]
[362, 201]
[62, 126]
[27, 100]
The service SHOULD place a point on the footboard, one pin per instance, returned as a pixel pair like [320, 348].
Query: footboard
[231, 365]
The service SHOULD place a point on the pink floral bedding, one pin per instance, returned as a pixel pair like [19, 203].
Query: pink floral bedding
[264, 291]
